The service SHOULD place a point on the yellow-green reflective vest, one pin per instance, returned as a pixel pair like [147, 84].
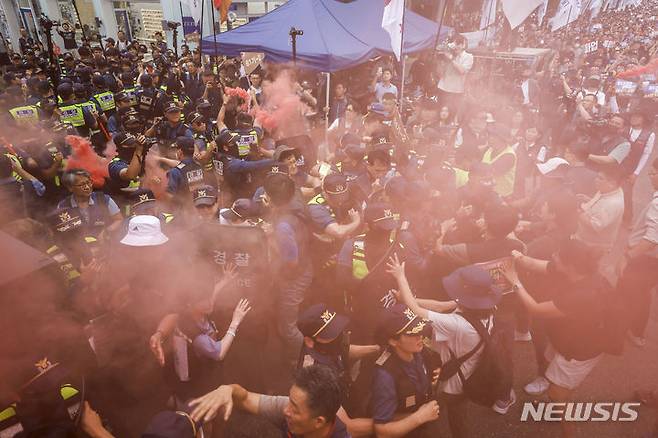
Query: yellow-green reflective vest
[27, 114]
[461, 177]
[503, 184]
[105, 100]
[72, 115]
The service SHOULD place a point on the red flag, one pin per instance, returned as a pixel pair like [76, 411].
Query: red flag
[222, 6]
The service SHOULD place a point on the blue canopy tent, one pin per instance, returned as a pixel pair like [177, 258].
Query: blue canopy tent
[336, 36]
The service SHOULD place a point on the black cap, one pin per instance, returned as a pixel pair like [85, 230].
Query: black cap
[171, 107]
[170, 424]
[400, 320]
[281, 168]
[281, 149]
[380, 215]
[65, 219]
[123, 139]
[204, 195]
[349, 139]
[98, 80]
[121, 97]
[335, 184]
[141, 198]
[68, 57]
[322, 322]
[355, 151]
[196, 118]
[203, 103]
[241, 209]
[186, 144]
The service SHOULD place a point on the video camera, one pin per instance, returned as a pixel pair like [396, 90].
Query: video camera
[170, 25]
[47, 23]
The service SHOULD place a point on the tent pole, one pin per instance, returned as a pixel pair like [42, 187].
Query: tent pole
[214, 32]
[403, 57]
[443, 14]
[326, 115]
[201, 32]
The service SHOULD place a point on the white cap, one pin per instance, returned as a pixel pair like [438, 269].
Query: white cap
[551, 165]
[144, 231]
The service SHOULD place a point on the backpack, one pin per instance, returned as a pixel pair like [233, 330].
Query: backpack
[492, 378]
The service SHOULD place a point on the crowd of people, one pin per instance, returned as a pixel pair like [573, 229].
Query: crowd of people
[233, 245]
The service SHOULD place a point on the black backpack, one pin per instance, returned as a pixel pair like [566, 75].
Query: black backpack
[492, 378]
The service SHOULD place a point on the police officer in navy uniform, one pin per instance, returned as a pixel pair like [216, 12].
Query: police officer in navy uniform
[401, 388]
[168, 130]
[183, 179]
[126, 168]
[204, 145]
[362, 268]
[147, 98]
[240, 175]
[143, 202]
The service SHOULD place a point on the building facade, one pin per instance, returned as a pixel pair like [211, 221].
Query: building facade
[138, 19]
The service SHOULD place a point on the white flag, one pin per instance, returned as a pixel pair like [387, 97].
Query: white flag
[488, 16]
[195, 9]
[542, 12]
[392, 23]
[568, 12]
[517, 11]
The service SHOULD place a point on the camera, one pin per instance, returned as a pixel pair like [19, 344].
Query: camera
[47, 23]
[169, 25]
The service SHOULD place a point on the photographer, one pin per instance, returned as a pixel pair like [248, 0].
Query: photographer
[457, 63]
[68, 35]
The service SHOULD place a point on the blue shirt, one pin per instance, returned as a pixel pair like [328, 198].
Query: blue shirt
[175, 177]
[384, 394]
[114, 169]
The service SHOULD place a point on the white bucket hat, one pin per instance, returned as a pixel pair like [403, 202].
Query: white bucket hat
[144, 231]
[552, 164]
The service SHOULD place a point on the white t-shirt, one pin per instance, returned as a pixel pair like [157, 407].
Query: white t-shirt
[381, 89]
[452, 80]
[451, 332]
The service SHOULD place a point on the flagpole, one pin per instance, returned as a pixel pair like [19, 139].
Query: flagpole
[486, 29]
[201, 31]
[214, 31]
[438, 33]
[403, 58]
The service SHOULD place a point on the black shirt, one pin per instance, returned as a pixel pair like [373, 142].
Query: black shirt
[578, 335]
[69, 39]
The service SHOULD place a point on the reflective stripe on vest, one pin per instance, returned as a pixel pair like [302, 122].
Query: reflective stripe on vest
[359, 266]
[91, 106]
[72, 115]
[319, 200]
[134, 184]
[15, 159]
[167, 217]
[25, 114]
[504, 184]
[208, 166]
[132, 95]
[105, 100]
[63, 262]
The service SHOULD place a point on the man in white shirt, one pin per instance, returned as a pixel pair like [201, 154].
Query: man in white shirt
[600, 217]
[382, 84]
[642, 140]
[453, 75]
[453, 335]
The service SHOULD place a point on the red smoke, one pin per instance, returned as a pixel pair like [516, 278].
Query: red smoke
[283, 107]
[240, 95]
[84, 157]
[651, 67]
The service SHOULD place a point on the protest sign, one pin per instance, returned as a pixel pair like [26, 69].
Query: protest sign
[497, 269]
[625, 88]
[251, 61]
